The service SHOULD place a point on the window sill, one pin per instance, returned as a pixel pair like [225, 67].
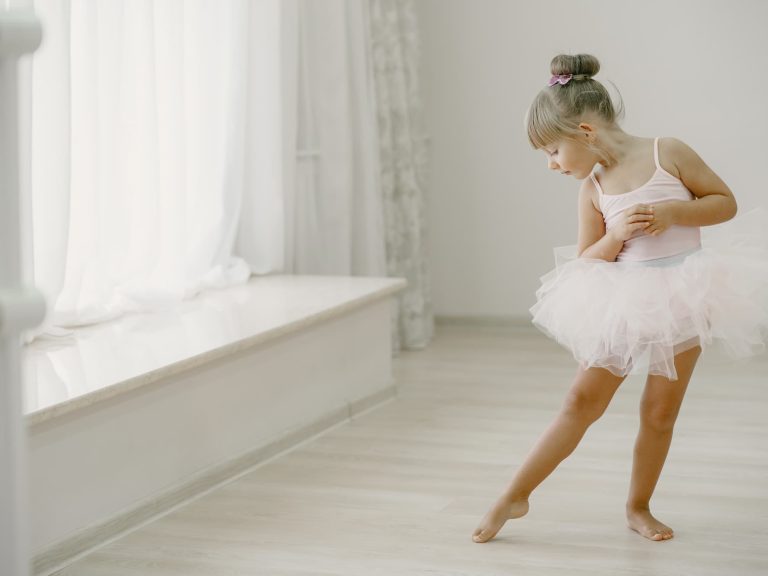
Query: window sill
[102, 361]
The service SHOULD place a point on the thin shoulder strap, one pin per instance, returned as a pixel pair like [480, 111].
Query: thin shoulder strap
[656, 153]
[596, 183]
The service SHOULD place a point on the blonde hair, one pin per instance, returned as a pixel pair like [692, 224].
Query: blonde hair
[557, 110]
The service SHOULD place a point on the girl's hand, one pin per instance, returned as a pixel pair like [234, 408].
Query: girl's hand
[663, 218]
[637, 217]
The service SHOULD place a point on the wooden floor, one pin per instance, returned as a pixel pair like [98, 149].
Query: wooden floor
[399, 490]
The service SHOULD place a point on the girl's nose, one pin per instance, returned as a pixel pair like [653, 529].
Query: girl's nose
[551, 164]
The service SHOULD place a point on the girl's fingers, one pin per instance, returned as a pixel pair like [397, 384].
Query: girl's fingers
[641, 208]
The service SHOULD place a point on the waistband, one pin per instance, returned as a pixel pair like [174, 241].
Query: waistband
[668, 260]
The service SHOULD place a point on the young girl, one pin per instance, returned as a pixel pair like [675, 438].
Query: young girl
[642, 290]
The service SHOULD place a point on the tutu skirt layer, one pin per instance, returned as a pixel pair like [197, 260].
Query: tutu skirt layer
[632, 316]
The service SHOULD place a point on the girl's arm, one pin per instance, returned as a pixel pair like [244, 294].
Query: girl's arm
[593, 242]
[714, 200]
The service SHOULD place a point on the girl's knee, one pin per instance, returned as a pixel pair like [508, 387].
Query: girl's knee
[660, 418]
[582, 406]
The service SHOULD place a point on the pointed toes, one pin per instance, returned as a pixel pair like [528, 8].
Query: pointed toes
[482, 535]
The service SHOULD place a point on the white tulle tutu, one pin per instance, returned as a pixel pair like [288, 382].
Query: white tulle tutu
[635, 316]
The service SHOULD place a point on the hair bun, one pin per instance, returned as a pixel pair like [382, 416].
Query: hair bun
[578, 64]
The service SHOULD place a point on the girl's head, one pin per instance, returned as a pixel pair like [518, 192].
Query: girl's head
[572, 106]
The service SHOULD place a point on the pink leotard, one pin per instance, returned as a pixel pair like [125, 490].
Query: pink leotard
[662, 187]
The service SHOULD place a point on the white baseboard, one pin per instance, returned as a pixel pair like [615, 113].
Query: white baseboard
[501, 321]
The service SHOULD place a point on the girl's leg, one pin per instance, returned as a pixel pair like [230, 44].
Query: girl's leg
[659, 408]
[587, 399]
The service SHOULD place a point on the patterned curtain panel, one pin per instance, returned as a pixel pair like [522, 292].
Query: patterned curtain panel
[403, 158]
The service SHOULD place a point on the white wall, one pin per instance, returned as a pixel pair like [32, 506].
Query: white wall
[693, 69]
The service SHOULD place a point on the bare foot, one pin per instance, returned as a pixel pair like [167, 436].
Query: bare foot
[495, 518]
[643, 522]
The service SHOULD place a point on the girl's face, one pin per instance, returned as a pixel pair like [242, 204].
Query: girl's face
[570, 158]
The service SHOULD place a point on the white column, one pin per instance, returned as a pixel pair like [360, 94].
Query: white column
[20, 308]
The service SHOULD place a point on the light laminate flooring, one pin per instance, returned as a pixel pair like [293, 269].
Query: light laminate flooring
[399, 490]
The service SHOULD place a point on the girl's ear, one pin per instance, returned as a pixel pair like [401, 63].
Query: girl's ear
[587, 130]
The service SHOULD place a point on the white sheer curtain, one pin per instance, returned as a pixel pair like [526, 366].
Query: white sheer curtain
[351, 199]
[137, 150]
[270, 135]
[329, 210]
[166, 136]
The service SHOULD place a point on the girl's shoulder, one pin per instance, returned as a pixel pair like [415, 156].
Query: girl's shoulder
[588, 192]
[684, 163]
[673, 153]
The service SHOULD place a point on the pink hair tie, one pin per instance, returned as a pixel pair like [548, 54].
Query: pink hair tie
[561, 79]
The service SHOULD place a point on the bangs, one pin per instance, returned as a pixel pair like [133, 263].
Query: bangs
[543, 122]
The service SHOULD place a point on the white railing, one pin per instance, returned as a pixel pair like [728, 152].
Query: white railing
[20, 308]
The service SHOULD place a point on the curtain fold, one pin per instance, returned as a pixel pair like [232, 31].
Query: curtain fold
[403, 158]
[270, 127]
[334, 207]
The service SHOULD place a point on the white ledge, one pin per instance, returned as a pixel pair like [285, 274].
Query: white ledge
[102, 361]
